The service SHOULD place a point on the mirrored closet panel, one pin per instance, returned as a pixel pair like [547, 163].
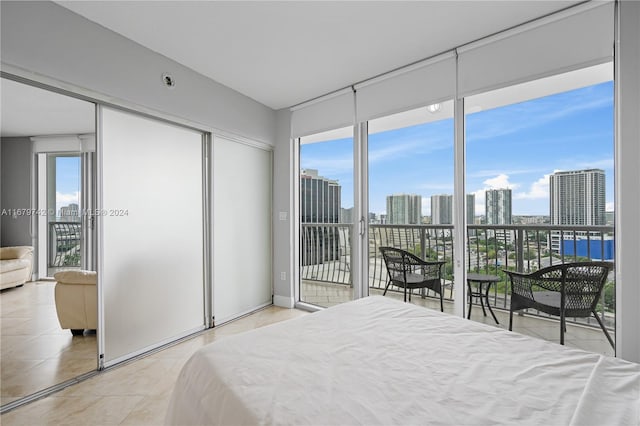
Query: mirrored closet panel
[47, 150]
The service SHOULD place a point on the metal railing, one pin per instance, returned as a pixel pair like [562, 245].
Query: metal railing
[490, 249]
[64, 244]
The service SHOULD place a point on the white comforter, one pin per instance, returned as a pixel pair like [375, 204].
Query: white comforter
[377, 361]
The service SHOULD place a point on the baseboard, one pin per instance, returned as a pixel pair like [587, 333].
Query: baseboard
[283, 301]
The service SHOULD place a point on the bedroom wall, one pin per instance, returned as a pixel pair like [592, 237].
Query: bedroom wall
[45, 42]
[628, 181]
[283, 185]
[15, 183]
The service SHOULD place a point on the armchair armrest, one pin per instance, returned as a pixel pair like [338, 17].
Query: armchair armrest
[432, 269]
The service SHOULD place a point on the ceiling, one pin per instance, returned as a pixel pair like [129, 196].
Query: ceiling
[279, 53]
[30, 111]
[282, 53]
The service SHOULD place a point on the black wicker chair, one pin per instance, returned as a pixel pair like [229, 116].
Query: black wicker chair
[408, 271]
[564, 290]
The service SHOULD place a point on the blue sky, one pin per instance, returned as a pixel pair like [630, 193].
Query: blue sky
[67, 181]
[516, 146]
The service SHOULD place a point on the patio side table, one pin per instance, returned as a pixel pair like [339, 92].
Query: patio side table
[482, 280]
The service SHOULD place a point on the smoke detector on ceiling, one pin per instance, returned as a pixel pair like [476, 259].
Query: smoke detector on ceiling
[168, 80]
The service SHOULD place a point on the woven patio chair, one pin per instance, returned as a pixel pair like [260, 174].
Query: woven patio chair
[564, 290]
[408, 271]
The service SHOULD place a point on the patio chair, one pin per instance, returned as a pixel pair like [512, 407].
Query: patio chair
[408, 271]
[564, 290]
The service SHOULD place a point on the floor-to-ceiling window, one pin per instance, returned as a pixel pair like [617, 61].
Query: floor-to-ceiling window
[539, 160]
[326, 217]
[410, 165]
[64, 229]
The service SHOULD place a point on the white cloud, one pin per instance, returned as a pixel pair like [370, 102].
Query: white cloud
[610, 206]
[538, 190]
[480, 202]
[66, 199]
[499, 182]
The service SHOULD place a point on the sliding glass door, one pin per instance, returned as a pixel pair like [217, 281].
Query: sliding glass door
[548, 196]
[326, 217]
[410, 157]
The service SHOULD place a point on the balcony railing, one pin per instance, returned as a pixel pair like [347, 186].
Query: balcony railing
[490, 249]
[64, 240]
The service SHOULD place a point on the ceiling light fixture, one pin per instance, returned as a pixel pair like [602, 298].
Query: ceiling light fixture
[433, 108]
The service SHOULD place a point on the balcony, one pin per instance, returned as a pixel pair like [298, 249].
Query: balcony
[326, 262]
[64, 246]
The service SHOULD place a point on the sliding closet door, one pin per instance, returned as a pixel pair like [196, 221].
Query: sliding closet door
[152, 233]
[242, 243]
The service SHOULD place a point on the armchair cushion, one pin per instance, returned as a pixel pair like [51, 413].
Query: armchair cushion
[76, 300]
[75, 277]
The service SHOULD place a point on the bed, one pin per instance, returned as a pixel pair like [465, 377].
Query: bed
[379, 361]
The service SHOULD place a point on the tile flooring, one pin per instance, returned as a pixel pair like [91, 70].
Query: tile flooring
[135, 393]
[35, 353]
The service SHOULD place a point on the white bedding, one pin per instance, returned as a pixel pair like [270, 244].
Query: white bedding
[377, 361]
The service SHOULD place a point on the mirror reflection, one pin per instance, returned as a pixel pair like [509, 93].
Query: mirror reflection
[48, 297]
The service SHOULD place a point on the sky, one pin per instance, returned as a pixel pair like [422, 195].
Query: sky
[515, 146]
[67, 181]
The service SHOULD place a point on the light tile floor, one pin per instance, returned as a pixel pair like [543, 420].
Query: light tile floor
[35, 353]
[137, 393]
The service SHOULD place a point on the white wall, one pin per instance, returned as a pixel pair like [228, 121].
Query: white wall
[45, 42]
[15, 179]
[283, 185]
[628, 182]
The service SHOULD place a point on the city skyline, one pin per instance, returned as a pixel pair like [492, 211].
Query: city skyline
[515, 147]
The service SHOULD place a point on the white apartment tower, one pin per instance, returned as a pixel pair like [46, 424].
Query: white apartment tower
[471, 209]
[404, 209]
[498, 206]
[441, 209]
[577, 197]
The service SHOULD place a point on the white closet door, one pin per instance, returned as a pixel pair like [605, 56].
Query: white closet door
[242, 243]
[152, 233]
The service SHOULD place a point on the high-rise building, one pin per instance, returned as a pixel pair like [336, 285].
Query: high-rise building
[319, 203]
[404, 209]
[471, 209]
[319, 198]
[498, 206]
[577, 197]
[441, 209]
[70, 213]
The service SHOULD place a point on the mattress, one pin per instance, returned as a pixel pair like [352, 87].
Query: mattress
[378, 361]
